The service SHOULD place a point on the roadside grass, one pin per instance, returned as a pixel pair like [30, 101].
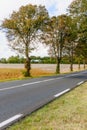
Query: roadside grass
[12, 74]
[69, 112]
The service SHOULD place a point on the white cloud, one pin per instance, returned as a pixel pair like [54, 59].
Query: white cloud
[6, 8]
[5, 51]
[55, 7]
[62, 6]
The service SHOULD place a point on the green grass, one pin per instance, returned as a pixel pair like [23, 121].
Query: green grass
[68, 112]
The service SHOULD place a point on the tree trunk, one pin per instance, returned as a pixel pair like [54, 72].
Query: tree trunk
[71, 66]
[58, 65]
[78, 64]
[27, 62]
[84, 64]
[71, 58]
[28, 67]
[71, 63]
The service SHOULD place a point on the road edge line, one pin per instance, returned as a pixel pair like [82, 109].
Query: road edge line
[10, 120]
[80, 83]
[61, 93]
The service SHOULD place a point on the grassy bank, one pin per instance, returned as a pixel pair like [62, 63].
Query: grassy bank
[68, 112]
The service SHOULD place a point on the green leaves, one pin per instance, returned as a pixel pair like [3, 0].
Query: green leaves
[78, 11]
[22, 29]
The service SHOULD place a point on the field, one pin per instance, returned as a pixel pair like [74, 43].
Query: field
[15, 71]
[68, 112]
[12, 74]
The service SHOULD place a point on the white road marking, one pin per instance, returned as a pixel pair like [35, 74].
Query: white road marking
[4, 123]
[71, 75]
[57, 95]
[80, 83]
[22, 85]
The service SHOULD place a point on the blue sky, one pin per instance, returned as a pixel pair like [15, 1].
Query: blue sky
[54, 7]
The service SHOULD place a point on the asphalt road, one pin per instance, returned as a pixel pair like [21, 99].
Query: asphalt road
[20, 98]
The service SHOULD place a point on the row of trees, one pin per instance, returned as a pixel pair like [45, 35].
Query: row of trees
[39, 60]
[13, 59]
[34, 59]
[64, 34]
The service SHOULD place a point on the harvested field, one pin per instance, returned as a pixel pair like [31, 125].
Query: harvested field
[64, 68]
[9, 74]
[15, 71]
[46, 67]
[6, 74]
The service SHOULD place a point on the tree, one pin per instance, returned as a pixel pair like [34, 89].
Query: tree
[15, 59]
[78, 11]
[70, 39]
[54, 37]
[23, 28]
[3, 60]
[78, 8]
[82, 48]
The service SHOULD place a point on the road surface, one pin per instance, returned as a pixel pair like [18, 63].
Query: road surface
[20, 98]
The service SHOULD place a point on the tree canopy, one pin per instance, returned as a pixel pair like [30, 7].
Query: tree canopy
[23, 28]
[78, 11]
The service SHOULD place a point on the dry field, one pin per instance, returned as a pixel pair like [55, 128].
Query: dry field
[15, 71]
[11, 74]
[6, 74]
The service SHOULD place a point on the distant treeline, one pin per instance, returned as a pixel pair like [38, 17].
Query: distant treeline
[35, 59]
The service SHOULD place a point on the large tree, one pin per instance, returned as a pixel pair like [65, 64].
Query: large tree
[54, 37]
[70, 39]
[78, 11]
[23, 28]
[81, 51]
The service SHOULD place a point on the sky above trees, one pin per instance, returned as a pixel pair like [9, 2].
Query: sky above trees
[54, 7]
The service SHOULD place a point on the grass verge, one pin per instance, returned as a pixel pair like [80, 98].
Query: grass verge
[68, 112]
